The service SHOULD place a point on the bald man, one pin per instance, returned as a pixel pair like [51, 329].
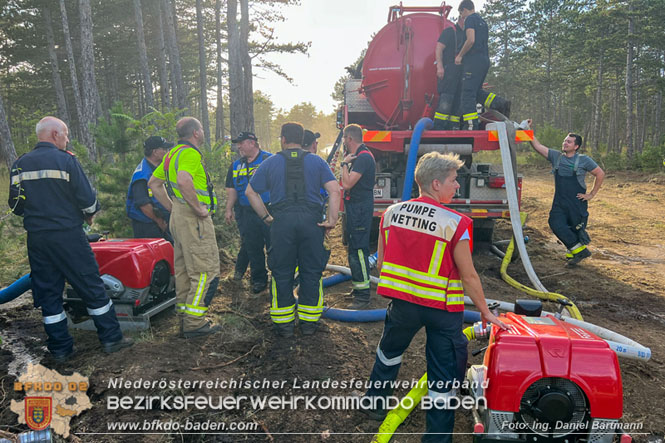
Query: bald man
[182, 185]
[50, 190]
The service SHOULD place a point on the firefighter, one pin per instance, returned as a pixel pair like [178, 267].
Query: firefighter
[358, 171]
[426, 269]
[294, 177]
[449, 77]
[569, 214]
[475, 62]
[149, 217]
[191, 200]
[242, 260]
[50, 190]
[254, 234]
[449, 82]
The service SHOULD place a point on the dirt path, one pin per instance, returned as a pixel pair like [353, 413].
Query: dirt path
[622, 287]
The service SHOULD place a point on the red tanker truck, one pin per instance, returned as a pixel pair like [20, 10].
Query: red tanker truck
[396, 89]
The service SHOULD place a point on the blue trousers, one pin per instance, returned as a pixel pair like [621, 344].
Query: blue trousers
[446, 352]
[255, 236]
[358, 226]
[65, 254]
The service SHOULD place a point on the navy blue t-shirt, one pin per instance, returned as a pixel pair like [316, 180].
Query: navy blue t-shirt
[475, 22]
[363, 190]
[452, 38]
[271, 176]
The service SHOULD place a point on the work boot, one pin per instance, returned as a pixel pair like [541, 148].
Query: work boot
[206, 329]
[115, 346]
[471, 125]
[308, 327]
[501, 105]
[237, 276]
[374, 414]
[284, 330]
[259, 287]
[358, 304]
[350, 296]
[62, 357]
[584, 253]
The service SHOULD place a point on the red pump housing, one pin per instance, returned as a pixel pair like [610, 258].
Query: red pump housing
[132, 260]
[542, 347]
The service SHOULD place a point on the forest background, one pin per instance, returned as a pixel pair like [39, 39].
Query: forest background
[119, 71]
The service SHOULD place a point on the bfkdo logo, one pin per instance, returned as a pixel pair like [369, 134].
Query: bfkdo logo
[38, 412]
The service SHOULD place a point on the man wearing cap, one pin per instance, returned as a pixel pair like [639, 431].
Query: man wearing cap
[192, 202]
[254, 234]
[149, 217]
[310, 141]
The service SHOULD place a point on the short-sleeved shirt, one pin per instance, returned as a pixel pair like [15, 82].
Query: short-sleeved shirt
[475, 22]
[453, 39]
[363, 190]
[566, 166]
[271, 176]
[239, 174]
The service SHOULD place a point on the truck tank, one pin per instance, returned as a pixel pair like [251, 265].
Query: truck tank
[399, 71]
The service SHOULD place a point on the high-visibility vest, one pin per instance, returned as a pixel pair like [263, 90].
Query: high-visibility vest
[419, 238]
[202, 182]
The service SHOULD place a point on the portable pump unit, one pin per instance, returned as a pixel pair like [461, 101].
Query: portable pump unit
[138, 276]
[546, 381]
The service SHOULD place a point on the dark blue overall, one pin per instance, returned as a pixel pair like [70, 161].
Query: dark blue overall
[569, 214]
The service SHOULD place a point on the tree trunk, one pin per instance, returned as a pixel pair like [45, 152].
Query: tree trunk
[61, 103]
[657, 117]
[203, 77]
[219, 112]
[595, 132]
[163, 72]
[6, 143]
[630, 148]
[246, 60]
[91, 103]
[143, 55]
[83, 129]
[236, 88]
[174, 56]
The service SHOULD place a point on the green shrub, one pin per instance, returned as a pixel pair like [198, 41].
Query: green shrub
[652, 157]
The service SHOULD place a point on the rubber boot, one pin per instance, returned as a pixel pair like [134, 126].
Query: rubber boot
[502, 105]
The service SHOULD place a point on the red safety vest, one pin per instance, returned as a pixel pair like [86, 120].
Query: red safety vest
[419, 238]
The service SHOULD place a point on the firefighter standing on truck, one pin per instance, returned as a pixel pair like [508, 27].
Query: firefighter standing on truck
[358, 172]
[195, 253]
[149, 218]
[50, 190]
[449, 83]
[475, 62]
[254, 234]
[425, 261]
[294, 178]
[569, 214]
[449, 77]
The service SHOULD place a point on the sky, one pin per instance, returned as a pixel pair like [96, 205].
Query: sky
[339, 30]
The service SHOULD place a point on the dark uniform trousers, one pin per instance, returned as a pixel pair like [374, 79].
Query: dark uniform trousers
[475, 70]
[254, 235]
[569, 215]
[149, 230]
[446, 116]
[65, 254]
[296, 239]
[358, 227]
[446, 353]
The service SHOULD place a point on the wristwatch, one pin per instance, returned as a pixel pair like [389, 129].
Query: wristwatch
[265, 216]
[343, 164]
